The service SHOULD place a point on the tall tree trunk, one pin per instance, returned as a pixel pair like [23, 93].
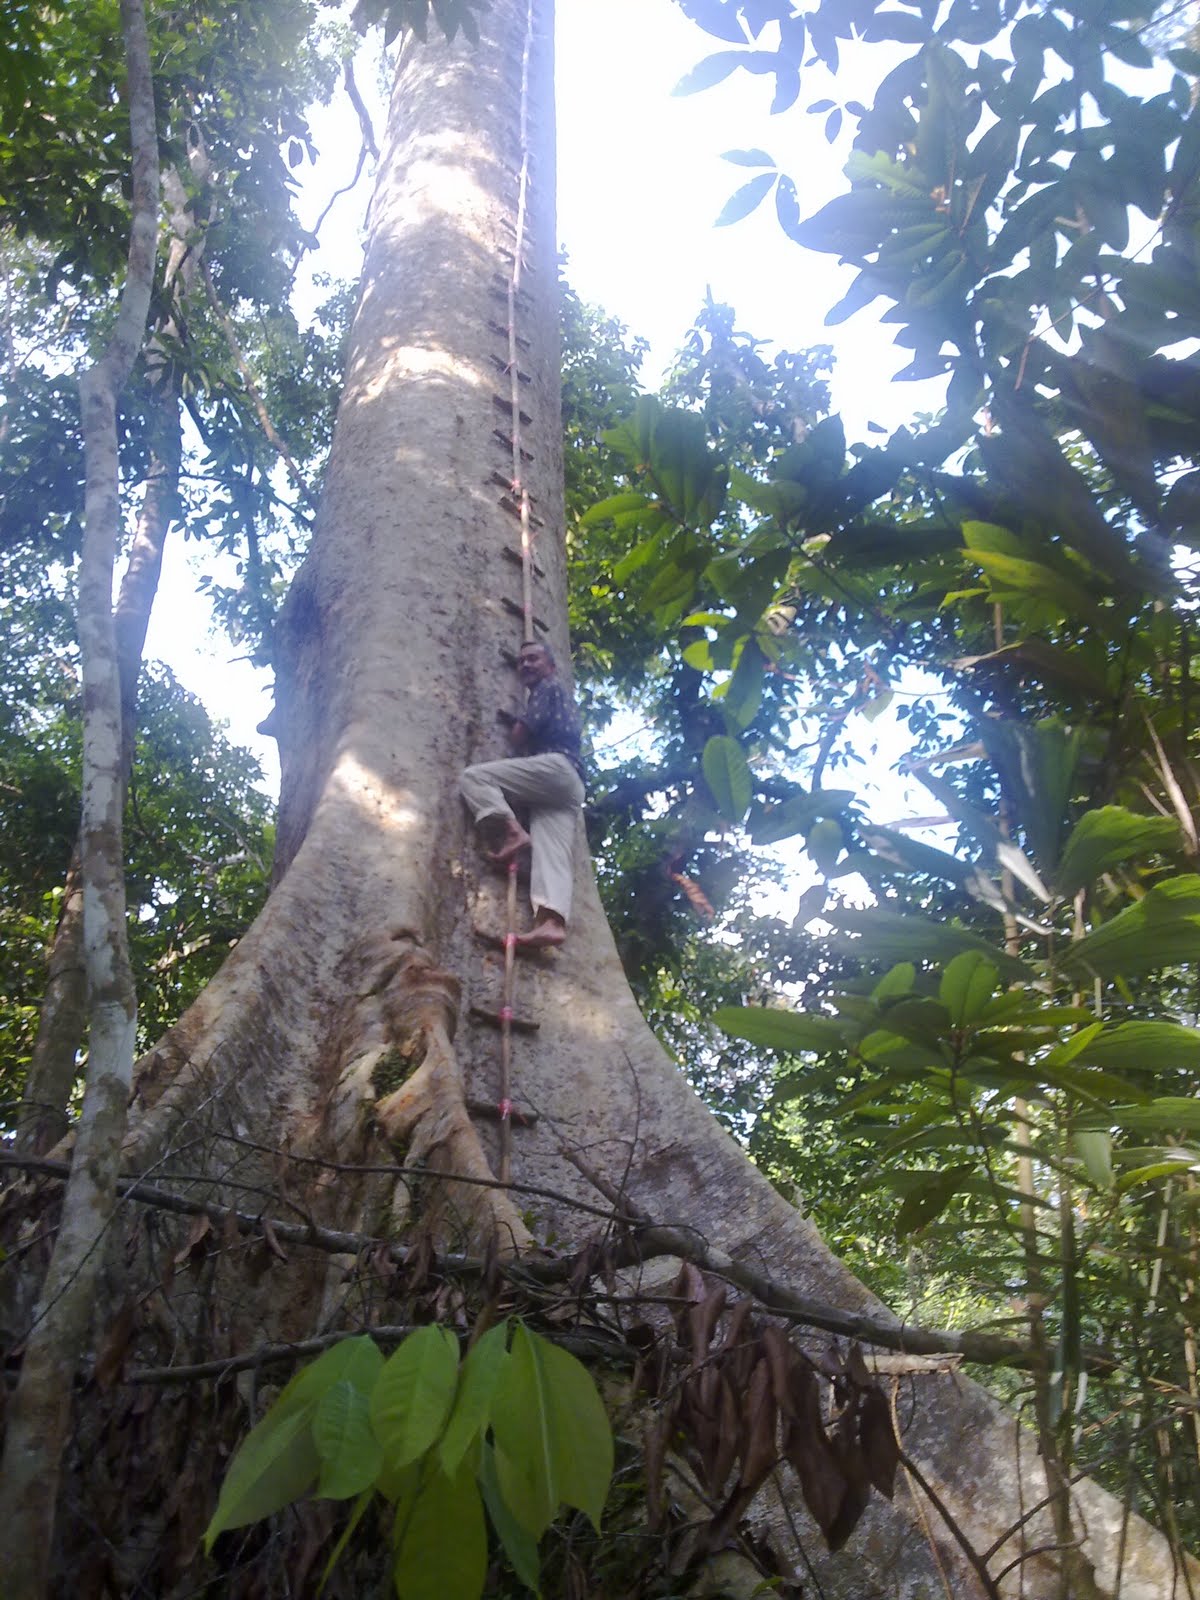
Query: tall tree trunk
[40, 1415]
[352, 1017]
[53, 1066]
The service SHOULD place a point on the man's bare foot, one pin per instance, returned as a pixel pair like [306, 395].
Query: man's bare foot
[547, 933]
[514, 840]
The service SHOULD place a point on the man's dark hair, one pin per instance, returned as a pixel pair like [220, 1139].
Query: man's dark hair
[536, 644]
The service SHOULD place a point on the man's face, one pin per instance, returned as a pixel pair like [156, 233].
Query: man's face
[533, 664]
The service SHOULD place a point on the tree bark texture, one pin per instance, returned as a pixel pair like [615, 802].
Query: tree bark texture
[351, 1021]
[53, 1066]
[40, 1415]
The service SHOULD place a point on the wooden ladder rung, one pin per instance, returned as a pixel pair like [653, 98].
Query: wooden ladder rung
[493, 1019]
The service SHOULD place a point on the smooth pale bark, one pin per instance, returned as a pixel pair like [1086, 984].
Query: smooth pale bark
[39, 1418]
[364, 966]
[53, 1066]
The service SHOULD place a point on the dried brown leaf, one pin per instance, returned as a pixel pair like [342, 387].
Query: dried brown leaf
[780, 1359]
[696, 897]
[195, 1247]
[856, 1367]
[728, 1438]
[689, 1285]
[807, 1450]
[111, 1361]
[272, 1241]
[877, 1437]
[757, 1446]
[702, 1322]
[853, 1464]
[420, 1260]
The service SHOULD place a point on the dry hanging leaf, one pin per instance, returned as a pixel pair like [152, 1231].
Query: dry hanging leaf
[758, 1451]
[272, 1240]
[194, 1248]
[880, 1447]
[696, 897]
[728, 1438]
[850, 1459]
[111, 1360]
[702, 1322]
[808, 1452]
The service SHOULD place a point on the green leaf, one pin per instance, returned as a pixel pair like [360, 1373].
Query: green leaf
[877, 705]
[708, 72]
[414, 1393]
[912, 855]
[968, 983]
[349, 1451]
[727, 774]
[748, 158]
[774, 1029]
[519, 1546]
[984, 828]
[526, 1459]
[1037, 764]
[1162, 929]
[1168, 1114]
[552, 1436]
[1103, 839]
[440, 1540]
[640, 556]
[742, 694]
[893, 936]
[579, 1428]
[357, 1361]
[929, 1197]
[877, 168]
[615, 505]
[743, 201]
[481, 1372]
[798, 814]
[276, 1463]
[344, 1538]
[897, 981]
[824, 842]
[1146, 1047]
[1094, 1148]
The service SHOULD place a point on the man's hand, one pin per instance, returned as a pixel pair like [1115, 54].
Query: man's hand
[518, 732]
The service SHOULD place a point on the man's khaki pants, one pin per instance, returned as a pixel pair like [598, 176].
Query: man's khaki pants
[552, 789]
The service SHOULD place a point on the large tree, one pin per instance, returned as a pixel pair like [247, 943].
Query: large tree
[342, 1064]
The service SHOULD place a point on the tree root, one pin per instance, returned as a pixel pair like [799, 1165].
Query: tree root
[427, 1113]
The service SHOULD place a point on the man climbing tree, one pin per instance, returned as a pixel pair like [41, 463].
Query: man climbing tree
[545, 773]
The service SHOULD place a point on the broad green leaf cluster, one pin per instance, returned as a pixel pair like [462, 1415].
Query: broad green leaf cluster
[506, 1437]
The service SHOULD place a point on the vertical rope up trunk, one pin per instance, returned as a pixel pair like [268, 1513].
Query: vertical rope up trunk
[521, 495]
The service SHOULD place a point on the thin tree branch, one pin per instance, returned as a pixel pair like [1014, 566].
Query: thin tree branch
[643, 1240]
[264, 417]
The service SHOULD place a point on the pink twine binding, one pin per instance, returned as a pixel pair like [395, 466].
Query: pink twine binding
[505, 1109]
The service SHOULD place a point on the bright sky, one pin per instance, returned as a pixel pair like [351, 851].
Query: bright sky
[641, 181]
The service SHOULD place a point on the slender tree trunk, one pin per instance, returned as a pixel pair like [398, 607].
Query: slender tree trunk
[40, 1416]
[351, 1025]
[54, 1064]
